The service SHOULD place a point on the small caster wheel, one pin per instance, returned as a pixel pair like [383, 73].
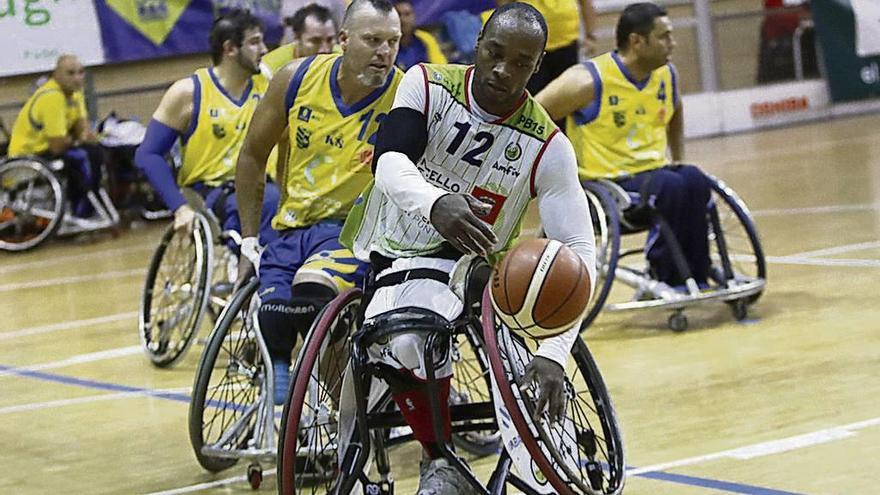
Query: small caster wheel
[740, 309]
[255, 476]
[677, 322]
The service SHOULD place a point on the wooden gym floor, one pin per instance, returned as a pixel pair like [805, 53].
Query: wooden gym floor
[783, 403]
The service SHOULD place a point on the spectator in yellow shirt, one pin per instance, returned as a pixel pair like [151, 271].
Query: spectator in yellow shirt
[416, 45]
[53, 124]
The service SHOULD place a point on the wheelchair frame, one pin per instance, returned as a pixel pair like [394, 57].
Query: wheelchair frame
[62, 221]
[737, 291]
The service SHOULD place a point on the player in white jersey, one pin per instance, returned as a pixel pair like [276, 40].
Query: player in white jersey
[458, 159]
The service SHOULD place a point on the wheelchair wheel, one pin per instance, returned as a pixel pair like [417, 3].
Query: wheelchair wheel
[176, 292]
[471, 384]
[606, 233]
[734, 246]
[307, 457]
[228, 403]
[583, 454]
[31, 203]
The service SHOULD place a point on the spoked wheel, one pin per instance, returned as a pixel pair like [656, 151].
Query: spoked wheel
[307, 457]
[176, 292]
[735, 250]
[31, 203]
[229, 402]
[471, 384]
[606, 232]
[583, 454]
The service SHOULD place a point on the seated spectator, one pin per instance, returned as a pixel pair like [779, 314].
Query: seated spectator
[53, 124]
[416, 45]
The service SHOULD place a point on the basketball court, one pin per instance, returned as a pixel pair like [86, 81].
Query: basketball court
[782, 403]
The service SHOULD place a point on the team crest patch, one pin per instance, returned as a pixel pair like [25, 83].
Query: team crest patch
[438, 77]
[302, 137]
[512, 152]
[218, 130]
[305, 113]
[619, 119]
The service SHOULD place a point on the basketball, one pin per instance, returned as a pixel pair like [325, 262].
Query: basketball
[540, 288]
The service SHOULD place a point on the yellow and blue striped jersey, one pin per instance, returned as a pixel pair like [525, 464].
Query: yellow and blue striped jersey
[331, 143]
[623, 131]
[217, 128]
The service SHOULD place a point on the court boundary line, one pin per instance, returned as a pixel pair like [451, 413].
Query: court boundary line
[66, 325]
[89, 357]
[834, 250]
[809, 210]
[52, 404]
[73, 279]
[58, 260]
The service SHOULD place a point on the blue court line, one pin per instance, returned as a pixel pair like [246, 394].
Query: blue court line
[725, 486]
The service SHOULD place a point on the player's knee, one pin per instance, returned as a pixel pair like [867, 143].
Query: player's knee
[276, 319]
[307, 300]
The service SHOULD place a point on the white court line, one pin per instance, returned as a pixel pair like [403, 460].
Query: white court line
[71, 280]
[58, 260]
[816, 209]
[78, 359]
[847, 248]
[766, 448]
[848, 263]
[67, 325]
[211, 484]
[35, 406]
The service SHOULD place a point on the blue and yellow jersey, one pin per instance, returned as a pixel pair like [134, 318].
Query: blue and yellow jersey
[623, 131]
[331, 143]
[47, 113]
[217, 129]
[423, 48]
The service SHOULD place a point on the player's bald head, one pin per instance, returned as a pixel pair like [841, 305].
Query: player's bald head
[519, 19]
[66, 61]
[69, 73]
[358, 7]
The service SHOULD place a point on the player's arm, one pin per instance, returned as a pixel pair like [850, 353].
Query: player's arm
[588, 19]
[571, 91]
[170, 121]
[565, 217]
[675, 127]
[264, 132]
[400, 144]
[50, 109]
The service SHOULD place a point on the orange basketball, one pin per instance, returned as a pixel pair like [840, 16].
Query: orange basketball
[540, 288]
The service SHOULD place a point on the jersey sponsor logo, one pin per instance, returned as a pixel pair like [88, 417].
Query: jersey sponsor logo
[613, 100]
[214, 113]
[529, 124]
[508, 170]
[334, 141]
[491, 198]
[218, 130]
[444, 181]
[302, 137]
[512, 153]
[304, 114]
[619, 118]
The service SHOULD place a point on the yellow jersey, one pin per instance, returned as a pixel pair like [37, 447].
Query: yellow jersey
[623, 131]
[331, 143]
[47, 113]
[273, 61]
[217, 128]
[563, 21]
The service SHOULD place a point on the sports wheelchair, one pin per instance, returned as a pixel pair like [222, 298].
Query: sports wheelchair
[737, 266]
[232, 415]
[34, 206]
[191, 273]
[582, 454]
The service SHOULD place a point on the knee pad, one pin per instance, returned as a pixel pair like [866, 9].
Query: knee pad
[307, 301]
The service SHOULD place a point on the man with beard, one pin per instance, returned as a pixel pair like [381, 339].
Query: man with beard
[210, 112]
[331, 106]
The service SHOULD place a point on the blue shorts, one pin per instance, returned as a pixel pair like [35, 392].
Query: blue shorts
[228, 211]
[315, 251]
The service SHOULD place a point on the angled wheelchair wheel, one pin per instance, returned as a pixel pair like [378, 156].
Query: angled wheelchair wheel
[606, 232]
[583, 454]
[229, 406]
[735, 249]
[176, 292]
[307, 457]
[471, 384]
[31, 203]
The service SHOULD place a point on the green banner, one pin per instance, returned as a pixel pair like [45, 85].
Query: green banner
[850, 77]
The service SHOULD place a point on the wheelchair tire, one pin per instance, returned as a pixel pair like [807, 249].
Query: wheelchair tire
[606, 232]
[302, 404]
[470, 384]
[23, 224]
[233, 359]
[550, 445]
[174, 339]
[740, 212]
